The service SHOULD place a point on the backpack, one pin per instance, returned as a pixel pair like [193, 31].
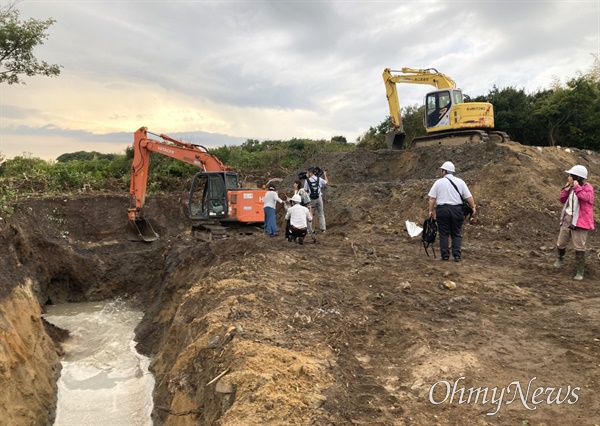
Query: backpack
[429, 233]
[313, 187]
[304, 196]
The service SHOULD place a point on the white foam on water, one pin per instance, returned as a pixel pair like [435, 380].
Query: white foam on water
[104, 380]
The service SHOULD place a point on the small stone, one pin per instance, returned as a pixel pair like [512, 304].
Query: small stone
[296, 368]
[319, 402]
[224, 386]
[417, 384]
[450, 285]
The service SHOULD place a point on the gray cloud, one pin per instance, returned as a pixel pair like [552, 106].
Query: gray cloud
[303, 55]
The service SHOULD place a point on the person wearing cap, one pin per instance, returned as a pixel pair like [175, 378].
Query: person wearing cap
[299, 217]
[270, 201]
[447, 195]
[576, 218]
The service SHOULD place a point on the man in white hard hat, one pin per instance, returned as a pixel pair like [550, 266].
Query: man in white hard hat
[299, 217]
[447, 195]
[576, 218]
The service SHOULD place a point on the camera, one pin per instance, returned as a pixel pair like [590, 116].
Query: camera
[317, 171]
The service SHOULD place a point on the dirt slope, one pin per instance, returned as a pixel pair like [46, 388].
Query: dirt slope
[359, 328]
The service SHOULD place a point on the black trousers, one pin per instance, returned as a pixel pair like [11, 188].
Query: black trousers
[295, 232]
[450, 220]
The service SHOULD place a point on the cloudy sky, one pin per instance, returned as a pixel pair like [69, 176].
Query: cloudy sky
[219, 72]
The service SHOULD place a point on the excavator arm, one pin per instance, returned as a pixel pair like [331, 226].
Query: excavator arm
[428, 76]
[142, 147]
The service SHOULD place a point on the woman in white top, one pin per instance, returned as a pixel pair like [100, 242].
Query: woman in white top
[269, 203]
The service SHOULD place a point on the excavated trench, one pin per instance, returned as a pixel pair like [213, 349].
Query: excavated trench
[58, 251]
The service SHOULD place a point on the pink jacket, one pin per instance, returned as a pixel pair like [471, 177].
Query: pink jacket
[584, 216]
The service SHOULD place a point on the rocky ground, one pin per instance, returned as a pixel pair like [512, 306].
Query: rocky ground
[362, 328]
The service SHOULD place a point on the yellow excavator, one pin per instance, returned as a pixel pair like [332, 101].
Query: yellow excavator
[448, 119]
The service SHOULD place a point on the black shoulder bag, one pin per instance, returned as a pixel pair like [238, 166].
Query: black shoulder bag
[466, 208]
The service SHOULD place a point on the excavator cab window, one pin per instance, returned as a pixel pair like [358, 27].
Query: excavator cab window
[208, 196]
[437, 106]
[231, 181]
[458, 97]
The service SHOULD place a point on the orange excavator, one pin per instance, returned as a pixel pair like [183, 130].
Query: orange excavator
[215, 194]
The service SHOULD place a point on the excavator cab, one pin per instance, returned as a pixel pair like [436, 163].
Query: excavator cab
[208, 195]
[438, 105]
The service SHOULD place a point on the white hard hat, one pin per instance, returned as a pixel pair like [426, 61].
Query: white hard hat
[448, 166]
[578, 170]
[296, 199]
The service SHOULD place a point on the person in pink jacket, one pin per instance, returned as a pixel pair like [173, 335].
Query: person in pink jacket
[577, 217]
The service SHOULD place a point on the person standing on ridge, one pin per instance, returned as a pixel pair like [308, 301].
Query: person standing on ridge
[314, 187]
[576, 218]
[448, 193]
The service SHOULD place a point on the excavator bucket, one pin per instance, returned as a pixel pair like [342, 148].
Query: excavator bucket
[395, 140]
[141, 230]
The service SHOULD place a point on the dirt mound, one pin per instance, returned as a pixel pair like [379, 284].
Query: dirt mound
[362, 328]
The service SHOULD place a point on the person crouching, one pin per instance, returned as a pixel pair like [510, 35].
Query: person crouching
[299, 217]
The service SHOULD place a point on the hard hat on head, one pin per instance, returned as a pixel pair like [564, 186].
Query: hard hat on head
[296, 199]
[448, 166]
[578, 170]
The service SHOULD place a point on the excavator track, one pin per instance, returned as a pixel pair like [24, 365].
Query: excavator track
[452, 138]
[498, 137]
[211, 231]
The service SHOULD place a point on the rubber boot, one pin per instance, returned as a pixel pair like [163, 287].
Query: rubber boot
[561, 258]
[580, 260]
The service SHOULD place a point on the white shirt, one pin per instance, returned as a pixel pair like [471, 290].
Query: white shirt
[572, 203]
[298, 216]
[271, 199]
[444, 193]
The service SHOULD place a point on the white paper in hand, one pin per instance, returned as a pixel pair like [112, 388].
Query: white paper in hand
[413, 229]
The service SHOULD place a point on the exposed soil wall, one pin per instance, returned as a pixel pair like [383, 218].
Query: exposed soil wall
[354, 330]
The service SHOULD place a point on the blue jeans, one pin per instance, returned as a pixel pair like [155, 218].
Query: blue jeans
[270, 221]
